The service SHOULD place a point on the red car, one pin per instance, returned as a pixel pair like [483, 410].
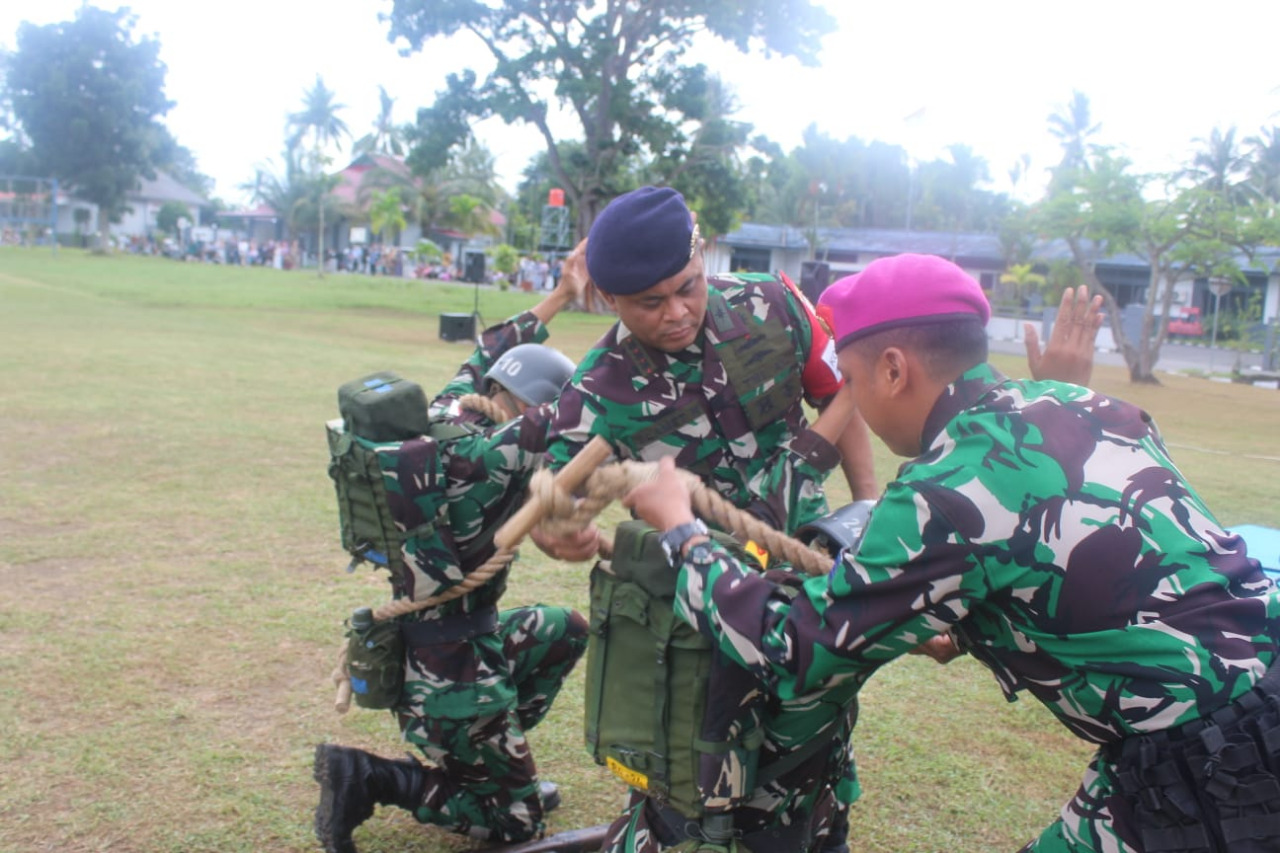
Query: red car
[1186, 323]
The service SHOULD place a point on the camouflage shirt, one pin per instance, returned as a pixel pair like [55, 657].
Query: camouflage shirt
[487, 471]
[725, 407]
[1048, 525]
[488, 468]
[730, 409]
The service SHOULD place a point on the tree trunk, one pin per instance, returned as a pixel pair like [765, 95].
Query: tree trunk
[1139, 376]
[103, 244]
[320, 240]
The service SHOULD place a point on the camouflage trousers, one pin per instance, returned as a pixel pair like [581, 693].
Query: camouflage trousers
[484, 782]
[1095, 820]
[642, 829]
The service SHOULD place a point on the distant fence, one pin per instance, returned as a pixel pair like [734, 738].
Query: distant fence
[28, 210]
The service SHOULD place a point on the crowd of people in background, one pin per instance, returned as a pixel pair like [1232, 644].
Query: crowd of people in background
[534, 272]
[369, 260]
[537, 273]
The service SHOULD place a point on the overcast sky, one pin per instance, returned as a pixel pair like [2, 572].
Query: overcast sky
[982, 73]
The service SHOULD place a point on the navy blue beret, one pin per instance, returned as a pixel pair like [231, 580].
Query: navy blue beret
[640, 239]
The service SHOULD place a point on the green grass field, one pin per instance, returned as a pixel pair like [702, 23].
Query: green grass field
[174, 588]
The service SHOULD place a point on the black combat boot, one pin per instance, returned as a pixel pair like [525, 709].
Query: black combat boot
[352, 782]
[837, 840]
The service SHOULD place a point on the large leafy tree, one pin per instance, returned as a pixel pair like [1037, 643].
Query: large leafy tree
[88, 96]
[617, 66]
[319, 119]
[704, 164]
[1101, 208]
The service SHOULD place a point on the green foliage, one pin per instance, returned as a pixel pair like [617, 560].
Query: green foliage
[460, 194]
[851, 183]
[505, 258]
[428, 251]
[386, 137]
[319, 117]
[169, 214]
[88, 97]
[1024, 281]
[470, 214]
[294, 193]
[180, 163]
[1264, 164]
[618, 69]
[1238, 322]
[17, 159]
[1073, 127]
[386, 211]
[1203, 229]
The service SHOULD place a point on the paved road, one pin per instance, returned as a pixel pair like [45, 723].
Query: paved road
[1173, 357]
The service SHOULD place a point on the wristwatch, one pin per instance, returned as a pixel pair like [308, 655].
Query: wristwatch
[673, 540]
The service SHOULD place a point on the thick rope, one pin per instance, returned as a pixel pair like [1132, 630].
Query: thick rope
[564, 514]
[486, 406]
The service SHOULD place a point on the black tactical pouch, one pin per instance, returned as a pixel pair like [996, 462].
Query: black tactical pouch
[1211, 784]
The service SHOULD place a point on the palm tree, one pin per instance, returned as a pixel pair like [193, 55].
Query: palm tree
[1264, 163]
[429, 198]
[292, 192]
[319, 117]
[471, 215]
[1220, 168]
[285, 191]
[386, 137]
[1072, 126]
[1024, 280]
[386, 211]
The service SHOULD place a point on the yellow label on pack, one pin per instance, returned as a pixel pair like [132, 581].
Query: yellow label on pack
[758, 552]
[633, 778]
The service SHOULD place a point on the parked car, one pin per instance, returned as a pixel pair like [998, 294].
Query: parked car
[1185, 322]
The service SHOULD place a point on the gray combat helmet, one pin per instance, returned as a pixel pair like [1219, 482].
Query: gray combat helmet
[533, 373]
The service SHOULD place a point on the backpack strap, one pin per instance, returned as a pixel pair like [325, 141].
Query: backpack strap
[799, 756]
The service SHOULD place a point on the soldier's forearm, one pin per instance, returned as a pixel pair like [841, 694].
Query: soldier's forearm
[854, 444]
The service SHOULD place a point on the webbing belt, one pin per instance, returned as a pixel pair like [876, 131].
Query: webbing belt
[454, 628]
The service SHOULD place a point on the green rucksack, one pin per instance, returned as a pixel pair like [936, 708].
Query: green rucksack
[387, 466]
[648, 680]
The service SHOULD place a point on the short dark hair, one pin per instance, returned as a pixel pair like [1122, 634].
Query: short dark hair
[947, 348]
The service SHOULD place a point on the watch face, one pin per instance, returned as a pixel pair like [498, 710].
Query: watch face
[700, 554]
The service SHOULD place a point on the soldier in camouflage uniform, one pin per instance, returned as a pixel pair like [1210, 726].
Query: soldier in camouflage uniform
[714, 371]
[1044, 526]
[476, 679]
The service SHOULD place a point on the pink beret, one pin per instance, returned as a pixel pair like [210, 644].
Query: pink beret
[903, 290]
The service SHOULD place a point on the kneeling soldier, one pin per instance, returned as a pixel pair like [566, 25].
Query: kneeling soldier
[475, 679]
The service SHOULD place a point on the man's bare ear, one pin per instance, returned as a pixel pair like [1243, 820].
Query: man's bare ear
[608, 298]
[895, 370]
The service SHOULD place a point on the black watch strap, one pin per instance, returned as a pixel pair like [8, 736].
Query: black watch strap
[674, 539]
